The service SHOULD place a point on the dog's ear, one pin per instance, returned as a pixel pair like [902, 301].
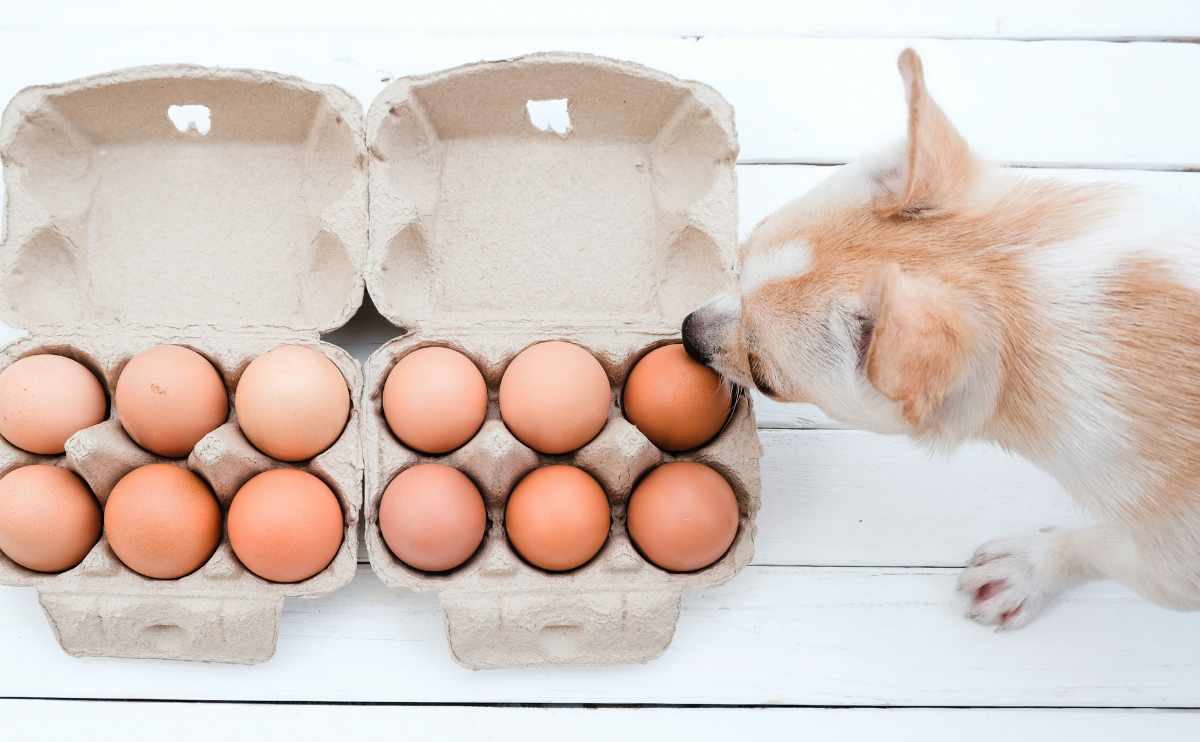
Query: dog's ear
[918, 350]
[937, 166]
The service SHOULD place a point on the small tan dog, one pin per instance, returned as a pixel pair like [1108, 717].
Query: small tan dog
[925, 292]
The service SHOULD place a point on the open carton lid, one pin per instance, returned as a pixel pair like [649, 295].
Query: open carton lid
[183, 198]
[550, 191]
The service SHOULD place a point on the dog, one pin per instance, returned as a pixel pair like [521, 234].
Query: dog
[925, 292]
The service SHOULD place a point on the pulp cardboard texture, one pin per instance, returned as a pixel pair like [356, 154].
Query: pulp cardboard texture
[488, 234]
[130, 226]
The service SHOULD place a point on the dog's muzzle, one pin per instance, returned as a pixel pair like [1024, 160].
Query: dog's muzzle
[691, 339]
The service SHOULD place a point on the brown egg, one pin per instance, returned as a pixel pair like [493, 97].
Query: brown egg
[432, 517]
[434, 399]
[49, 519]
[162, 521]
[292, 403]
[683, 516]
[285, 525]
[675, 401]
[554, 397]
[557, 517]
[45, 399]
[168, 398]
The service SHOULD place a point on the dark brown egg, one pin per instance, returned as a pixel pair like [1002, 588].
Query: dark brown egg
[676, 402]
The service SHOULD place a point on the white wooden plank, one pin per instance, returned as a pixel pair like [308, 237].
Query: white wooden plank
[771, 636]
[100, 721]
[934, 18]
[842, 497]
[798, 100]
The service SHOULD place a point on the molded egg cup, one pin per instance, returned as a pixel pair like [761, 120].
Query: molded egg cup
[223, 210]
[488, 234]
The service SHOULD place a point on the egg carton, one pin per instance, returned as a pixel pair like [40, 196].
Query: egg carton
[222, 210]
[551, 197]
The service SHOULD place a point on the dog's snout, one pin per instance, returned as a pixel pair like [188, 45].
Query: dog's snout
[691, 340]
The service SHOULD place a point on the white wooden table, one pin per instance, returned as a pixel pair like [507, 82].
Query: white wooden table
[847, 625]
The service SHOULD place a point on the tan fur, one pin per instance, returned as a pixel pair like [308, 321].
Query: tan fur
[1155, 330]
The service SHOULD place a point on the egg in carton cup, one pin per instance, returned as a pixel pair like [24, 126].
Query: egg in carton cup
[551, 197]
[220, 210]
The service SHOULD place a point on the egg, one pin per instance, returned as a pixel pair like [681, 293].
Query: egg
[49, 519]
[168, 398]
[683, 516]
[285, 525]
[676, 402]
[162, 521]
[432, 517]
[434, 399]
[554, 397]
[557, 517]
[292, 403]
[45, 399]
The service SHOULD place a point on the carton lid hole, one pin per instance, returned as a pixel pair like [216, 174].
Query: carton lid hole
[550, 115]
[190, 117]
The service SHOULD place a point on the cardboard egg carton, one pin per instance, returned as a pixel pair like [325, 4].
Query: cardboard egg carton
[564, 197]
[217, 209]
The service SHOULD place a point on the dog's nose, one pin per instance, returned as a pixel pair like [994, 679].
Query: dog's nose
[690, 342]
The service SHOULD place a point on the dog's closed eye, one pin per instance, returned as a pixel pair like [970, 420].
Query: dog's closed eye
[758, 373]
[862, 329]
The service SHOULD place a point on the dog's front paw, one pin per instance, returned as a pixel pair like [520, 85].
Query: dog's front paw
[1009, 581]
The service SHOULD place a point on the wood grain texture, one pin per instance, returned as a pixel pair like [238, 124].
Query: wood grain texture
[774, 635]
[115, 721]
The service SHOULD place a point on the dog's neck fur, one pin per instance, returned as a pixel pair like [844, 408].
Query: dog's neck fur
[1068, 284]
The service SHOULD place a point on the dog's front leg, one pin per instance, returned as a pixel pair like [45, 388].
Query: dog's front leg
[1009, 581]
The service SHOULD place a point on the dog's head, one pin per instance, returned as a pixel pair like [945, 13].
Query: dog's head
[843, 299]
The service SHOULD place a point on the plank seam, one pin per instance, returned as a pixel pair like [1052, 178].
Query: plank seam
[1024, 165]
[597, 706]
[695, 35]
[782, 565]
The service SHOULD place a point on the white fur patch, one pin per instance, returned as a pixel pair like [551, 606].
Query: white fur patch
[789, 260]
